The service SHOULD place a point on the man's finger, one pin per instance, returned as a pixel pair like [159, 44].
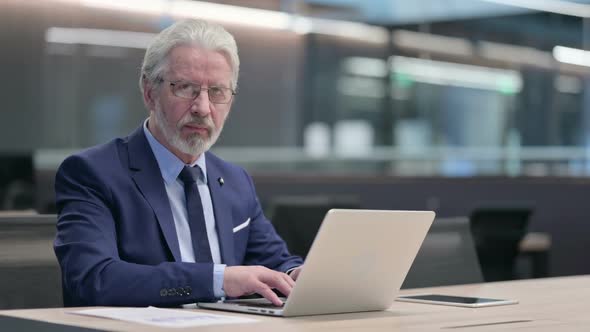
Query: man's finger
[278, 281]
[268, 294]
[295, 273]
[289, 280]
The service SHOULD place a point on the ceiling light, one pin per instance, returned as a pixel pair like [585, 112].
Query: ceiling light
[573, 56]
[454, 74]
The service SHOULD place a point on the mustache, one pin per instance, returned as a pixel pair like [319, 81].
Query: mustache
[198, 121]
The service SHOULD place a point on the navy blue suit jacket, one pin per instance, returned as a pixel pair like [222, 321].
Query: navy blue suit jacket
[116, 241]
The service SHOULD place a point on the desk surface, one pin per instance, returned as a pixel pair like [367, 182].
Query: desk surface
[552, 304]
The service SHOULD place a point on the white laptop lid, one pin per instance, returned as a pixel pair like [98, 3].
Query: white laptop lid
[357, 262]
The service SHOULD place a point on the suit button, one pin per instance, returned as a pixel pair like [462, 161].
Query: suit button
[188, 290]
[172, 291]
[163, 292]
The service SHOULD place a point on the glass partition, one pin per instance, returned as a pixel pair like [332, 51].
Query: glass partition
[471, 93]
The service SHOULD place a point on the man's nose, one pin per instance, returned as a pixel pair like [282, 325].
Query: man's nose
[201, 105]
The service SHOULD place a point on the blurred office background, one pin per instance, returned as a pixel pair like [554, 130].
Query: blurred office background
[449, 105]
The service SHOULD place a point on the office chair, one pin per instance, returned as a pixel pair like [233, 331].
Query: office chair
[447, 256]
[497, 232]
[30, 276]
[297, 219]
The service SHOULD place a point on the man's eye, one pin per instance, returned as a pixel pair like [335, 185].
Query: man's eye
[216, 91]
[185, 87]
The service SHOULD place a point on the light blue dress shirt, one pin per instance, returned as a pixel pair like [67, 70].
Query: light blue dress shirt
[170, 167]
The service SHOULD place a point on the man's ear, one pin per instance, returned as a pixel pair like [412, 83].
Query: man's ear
[148, 93]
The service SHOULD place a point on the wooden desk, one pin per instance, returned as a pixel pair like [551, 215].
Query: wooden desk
[552, 304]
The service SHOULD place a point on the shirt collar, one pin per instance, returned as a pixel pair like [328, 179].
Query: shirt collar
[170, 164]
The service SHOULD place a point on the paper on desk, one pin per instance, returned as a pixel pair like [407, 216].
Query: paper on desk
[163, 317]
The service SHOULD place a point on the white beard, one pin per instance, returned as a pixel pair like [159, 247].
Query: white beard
[194, 144]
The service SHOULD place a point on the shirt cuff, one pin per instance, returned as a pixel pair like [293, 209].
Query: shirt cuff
[291, 269]
[218, 272]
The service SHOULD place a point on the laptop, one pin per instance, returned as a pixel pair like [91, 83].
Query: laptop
[356, 263]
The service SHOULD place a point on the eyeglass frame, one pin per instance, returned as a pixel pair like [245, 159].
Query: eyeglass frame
[174, 83]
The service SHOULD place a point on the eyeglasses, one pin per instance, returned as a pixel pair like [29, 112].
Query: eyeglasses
[188, 90]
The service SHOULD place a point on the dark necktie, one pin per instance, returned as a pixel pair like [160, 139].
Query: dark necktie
[196, 218]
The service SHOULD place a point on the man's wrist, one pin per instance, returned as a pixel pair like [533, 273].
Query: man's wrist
[218, 274]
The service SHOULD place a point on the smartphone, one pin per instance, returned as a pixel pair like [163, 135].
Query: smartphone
[460, 301]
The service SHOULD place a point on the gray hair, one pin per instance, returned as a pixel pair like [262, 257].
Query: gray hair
[188, 32]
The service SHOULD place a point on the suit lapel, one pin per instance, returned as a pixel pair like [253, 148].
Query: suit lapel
[223, 218]
[146, 174]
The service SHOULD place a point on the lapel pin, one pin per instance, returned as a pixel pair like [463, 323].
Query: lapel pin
[220, 180]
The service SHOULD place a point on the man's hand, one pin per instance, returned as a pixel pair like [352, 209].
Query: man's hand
[295, 273]
[246, 280]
